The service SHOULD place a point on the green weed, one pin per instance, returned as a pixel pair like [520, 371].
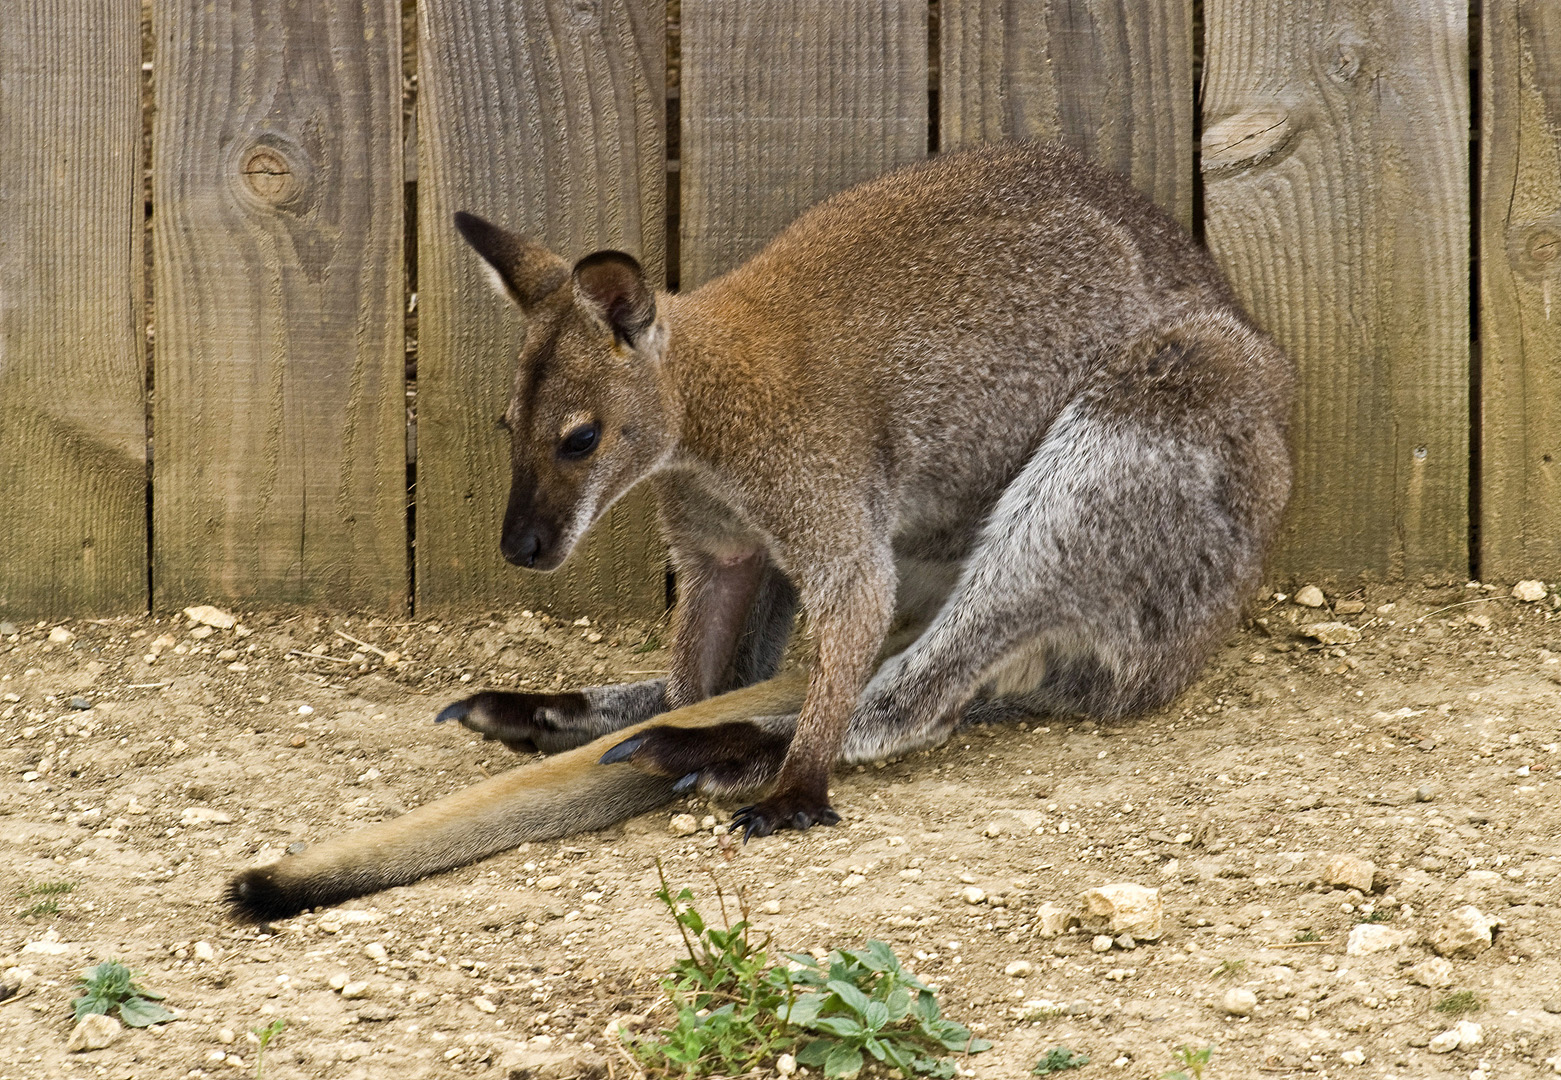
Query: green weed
[265, 1034]
[1460, 1003]
[1229, 969]
[51, 891]
[111, 985]
[1059, 1059]
[1192, 1063]
[738, 1008]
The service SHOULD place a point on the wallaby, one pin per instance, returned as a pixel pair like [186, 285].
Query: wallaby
[996, 397]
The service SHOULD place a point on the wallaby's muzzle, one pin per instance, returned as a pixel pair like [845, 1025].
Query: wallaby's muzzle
[529, 539]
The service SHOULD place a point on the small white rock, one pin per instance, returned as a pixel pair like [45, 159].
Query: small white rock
[204, 951]
[1310, 596]
[1101, 943]
[1529, 591]
[226, 1035]
[1019, 969]
[1239, 1001]
[59, 635]
[375, 951]
[770, 907]
[786, 1065]
[1125, 908]
[549, 882]
[1368, 938]
[1351, 872]
[1460, 1036]
[1435, 973]
[1332, 633]
[851, 881]
[204, 815]
[1052, 920]
[1353, 1057]
[683, 825]
[354, 990]
[206, 615]
[1464, 932]
[93, 1032]
[484, 1005]
[972, 895]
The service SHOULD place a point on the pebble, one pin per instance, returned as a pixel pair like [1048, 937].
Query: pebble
[1353, 1057]
[1125, 908]
[59, 635]
[1435, 973]
[203, 815]
[484, 1005]
[355, 990]
[204, 951]
[1332, 633]
[1460, 1036]
[1368, 938]
[1239, 1001]
[786, 1065]
[1529, 591]
[549, 882]
[1351, 872]
[7, 628]
[1052, 920]
[972, 895]
[1019, 969]
[207, 615]
[80, 704]
[1126, 942]
[1102, 943]
[1350, 607]
[226, 1035]
[1426, 792]
[1464, 932]
[770, 907]
[1310, 596]
[94, 1032]
[375, 951]
[683, 825]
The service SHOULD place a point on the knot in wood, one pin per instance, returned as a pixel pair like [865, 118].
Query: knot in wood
[1246, 138]
[1544, 245]
[268, 175]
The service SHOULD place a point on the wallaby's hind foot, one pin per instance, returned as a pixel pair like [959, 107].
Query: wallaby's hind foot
[719, 762]
[522, 722]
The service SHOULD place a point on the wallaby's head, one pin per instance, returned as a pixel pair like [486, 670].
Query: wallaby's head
[586, 420]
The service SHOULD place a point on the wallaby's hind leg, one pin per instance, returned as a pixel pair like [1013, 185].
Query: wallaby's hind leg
[556, 722]
[1111, 566]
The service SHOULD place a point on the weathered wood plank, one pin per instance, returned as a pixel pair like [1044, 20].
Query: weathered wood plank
[1112, 78]
[279, 430]
[548, 117]
[1520, 291]
[1335, 158]
[72, 429]
[785, 103]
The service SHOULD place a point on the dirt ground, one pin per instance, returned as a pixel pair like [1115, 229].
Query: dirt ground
[145, 760]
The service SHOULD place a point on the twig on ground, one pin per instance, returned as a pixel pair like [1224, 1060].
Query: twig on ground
[375, 649]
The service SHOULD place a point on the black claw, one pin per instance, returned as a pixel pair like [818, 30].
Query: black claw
[686, 782]
[454, 711]
[623, 751]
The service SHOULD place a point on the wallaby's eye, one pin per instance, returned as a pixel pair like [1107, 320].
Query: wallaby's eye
[580, 442]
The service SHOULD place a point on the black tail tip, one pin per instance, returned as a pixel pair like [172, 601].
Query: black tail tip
[256, 896]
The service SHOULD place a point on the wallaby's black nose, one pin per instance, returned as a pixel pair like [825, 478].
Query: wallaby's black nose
[524, 549]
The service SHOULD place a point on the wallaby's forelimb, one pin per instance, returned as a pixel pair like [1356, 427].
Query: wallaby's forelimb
[544, 800]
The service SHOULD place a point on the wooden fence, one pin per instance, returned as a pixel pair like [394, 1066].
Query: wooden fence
[295, 206]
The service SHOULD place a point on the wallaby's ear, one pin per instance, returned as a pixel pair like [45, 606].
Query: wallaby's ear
[524, 271]
[611, 286]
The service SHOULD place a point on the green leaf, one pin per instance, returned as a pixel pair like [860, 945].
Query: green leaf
[849, 996]
[843, 1061]
[876, 1015]
[839, 1025]
[881, 958]
[88, 1004]
[899, 1004]
[138, 1012]
[816, 1052]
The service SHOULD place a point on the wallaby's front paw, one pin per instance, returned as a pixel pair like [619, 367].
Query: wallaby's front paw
[783, 811]
[523, 722]
[718, 761]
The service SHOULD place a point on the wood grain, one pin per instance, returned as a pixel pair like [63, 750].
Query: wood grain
[279, 434]
[548, 117]
[785, 103]
[1520, 291]
[72, 430]
[1335, 157]
[1113, 78]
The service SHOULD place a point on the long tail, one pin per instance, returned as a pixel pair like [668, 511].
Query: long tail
[564, 794]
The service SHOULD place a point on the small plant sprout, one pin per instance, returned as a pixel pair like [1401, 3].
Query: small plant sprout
[1192, 1062]
[1460, 1003]
[50, 891]
[737, 1009]
[110, 986]
[1059, 1059]
[1229, 969]
[264, 1035]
